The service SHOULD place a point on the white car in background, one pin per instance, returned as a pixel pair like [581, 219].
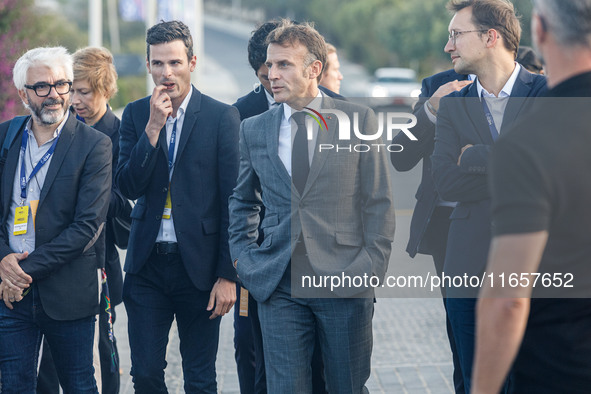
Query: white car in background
[394, 86]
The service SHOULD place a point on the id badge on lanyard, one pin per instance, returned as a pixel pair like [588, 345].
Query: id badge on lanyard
[21, 213]
[167, 214]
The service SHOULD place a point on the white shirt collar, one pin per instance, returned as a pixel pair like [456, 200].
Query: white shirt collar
[270, 99]
[315, 104]
[507, 89]
[183, 107]
[57, 131]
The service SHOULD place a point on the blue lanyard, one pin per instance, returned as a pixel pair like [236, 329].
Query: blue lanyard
[489, 118]
[23, 179]
[171, 148]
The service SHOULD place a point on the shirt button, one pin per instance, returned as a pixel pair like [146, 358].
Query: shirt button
[157, 217]
[165, 189]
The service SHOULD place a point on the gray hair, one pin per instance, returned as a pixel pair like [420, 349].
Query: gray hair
[569, 20]
[55, 58]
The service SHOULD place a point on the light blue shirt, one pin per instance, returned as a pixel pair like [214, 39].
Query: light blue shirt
[495, 104]
[166, 232]
[26, 242]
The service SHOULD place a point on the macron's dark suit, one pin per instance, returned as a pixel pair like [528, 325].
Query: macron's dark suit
[428, 229]
[159, 286]
[461, 121]
[71, 212]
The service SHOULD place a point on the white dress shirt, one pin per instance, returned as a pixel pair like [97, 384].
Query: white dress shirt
[166, 232]
[286, 135]
[495, 104]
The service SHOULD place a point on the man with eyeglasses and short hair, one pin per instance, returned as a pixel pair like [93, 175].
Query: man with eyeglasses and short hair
[483, 40]
[55, 192]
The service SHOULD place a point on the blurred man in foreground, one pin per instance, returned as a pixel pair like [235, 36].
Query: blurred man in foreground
[541, 221]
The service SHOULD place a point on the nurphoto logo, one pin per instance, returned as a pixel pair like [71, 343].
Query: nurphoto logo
[389, 121]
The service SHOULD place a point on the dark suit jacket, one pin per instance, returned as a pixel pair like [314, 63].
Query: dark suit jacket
[109, 125]
[414, 152]
[461, 121]
[252, 104]
[206, 168]
[72, 210]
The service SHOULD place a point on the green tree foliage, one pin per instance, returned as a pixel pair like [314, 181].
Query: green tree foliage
[23, 27]
[415, 32]
[13, 17]
[379, 33]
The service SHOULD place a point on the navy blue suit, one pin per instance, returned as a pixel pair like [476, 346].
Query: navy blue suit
[461, 121]
[429, 224]
[413, 153]
[254, 103]
[162, 285]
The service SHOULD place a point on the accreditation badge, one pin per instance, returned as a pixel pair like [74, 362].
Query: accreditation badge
[167, 206]
[243, 302]
[21, 218]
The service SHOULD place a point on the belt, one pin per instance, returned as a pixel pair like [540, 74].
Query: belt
[166, 248]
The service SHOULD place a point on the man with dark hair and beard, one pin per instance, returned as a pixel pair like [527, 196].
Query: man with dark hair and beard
[55, 191]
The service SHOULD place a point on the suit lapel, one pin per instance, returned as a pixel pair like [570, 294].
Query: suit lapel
[272, 138]
[476, 114]
[193, 107]
[63, 145]
[521, 89]
[325, 136]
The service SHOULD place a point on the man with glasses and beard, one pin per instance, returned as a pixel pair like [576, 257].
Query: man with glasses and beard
[55, 191]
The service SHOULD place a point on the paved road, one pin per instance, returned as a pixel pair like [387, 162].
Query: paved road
[410, 353]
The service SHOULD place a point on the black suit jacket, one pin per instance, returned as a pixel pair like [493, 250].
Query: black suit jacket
[254, 103]
[414, 152]
[206, 168]
[461, 121]
[109, 125]
[71, 213]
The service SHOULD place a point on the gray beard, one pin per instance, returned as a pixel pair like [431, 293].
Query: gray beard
[46, 117]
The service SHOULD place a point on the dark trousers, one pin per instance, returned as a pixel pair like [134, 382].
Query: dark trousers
[21, 330]
[161, 292]
[248, 348]
[290, 327]
[47, 380]
[435, 241]
[250, 356]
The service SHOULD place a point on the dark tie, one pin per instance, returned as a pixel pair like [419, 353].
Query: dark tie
[300, 165]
